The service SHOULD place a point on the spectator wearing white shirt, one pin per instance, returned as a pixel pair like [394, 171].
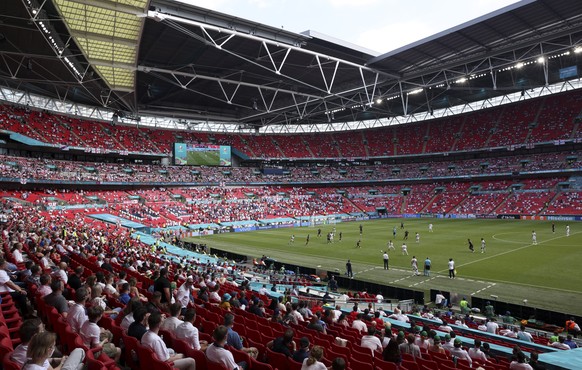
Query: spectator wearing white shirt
[76, 315]
[17, 253]
[492, 326]
[217, 353]
[445, 327]
[62, 273]
[172, 322]
[475, 353]
[263, 290]
[379, 298]
[187, 331]
[359, 325]
[459, 352]
[523, 335]
[90, 333]
[152, 340]
[371, 341]
[560, 343]
[184, 293]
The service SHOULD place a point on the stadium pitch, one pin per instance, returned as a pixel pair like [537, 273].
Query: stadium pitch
[512, 267]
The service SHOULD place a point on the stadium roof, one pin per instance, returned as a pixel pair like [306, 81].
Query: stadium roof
[169, 59]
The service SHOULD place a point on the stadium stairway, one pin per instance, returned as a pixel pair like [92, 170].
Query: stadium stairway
[540, 110]
[306, 144]
[575, 183]
[247, 147]
[348, 200]
[404, 204]
[365, 144]
[429, 203]
[544, 209]
[283, 155]
[501, 203]
[458, 137]
[575, 129]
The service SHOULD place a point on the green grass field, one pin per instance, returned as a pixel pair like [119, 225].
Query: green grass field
[546, 274]
[205, 158]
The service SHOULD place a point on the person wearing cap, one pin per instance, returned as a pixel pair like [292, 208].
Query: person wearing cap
[508, 319]
[436, 346]
[225, 303]
[303, 352]
[371, 341]
[459, 352]
[489, 310]
[448, 344]
[422, 341]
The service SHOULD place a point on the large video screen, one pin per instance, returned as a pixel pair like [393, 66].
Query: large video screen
[201, 155]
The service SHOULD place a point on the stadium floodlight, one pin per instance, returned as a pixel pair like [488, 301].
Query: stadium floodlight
[378, 101]
[541, 59]
[578, 49]
[519, 65]
[461, 80]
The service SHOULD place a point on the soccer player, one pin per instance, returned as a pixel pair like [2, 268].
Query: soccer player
[361, 229]
[471, 247]
[359, 243]
[319, 233]
[567, 230]
[553, 228]
[340, 236]
[414, 264]
[417, 237]
[534, 237]
[430, 228]
[390, 245]
[451, 268]
[386, 259]
[406, 235]
[404, 249]
[394, 232]
[291, 240]
[307, 240]
[482, 245]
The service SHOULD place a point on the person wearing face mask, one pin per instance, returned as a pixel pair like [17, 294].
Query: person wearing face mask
[41, 348]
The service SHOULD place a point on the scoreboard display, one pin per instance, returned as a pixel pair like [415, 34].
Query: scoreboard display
[202, 155]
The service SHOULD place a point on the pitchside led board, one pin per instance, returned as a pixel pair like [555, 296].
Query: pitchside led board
[201, 155]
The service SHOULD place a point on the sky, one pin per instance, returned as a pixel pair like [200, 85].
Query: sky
[379, 25]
